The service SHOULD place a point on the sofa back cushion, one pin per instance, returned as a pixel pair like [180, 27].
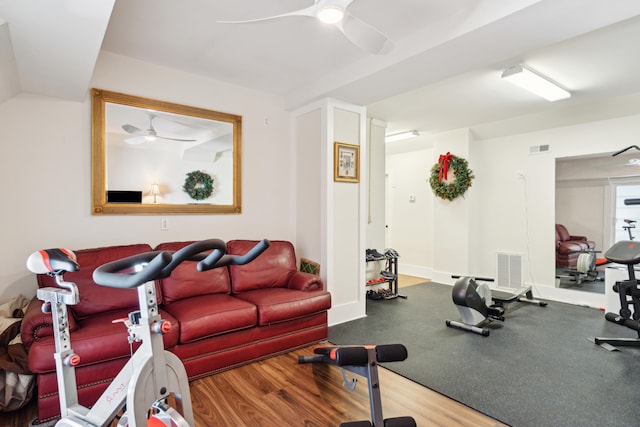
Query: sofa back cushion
[562, 232]
[186, 281]
[271, 269]
[95, 298]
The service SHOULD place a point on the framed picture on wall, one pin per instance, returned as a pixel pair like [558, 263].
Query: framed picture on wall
[346, 162]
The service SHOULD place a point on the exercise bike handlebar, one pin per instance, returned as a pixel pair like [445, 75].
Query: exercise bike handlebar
[123, 273]
[126, 272]
[212, 262]
[196, 251]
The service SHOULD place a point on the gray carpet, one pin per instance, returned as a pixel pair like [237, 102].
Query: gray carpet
[568, 281]
[535, 369]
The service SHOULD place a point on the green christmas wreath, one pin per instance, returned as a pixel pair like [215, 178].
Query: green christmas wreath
[449, 190]
[198, 185]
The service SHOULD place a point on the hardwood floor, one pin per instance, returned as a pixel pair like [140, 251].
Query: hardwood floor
[280, 392]
[406, 280]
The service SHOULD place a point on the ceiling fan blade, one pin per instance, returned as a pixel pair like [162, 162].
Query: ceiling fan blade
[176, 139]
[309, 11]
[136, 140]
[364, 36]
[133, 130]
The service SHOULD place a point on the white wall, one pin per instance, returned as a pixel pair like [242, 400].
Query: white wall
[504, 213]
[411, 222]
[376, 172]
[46, 170]
[581, 208]
[332, 214]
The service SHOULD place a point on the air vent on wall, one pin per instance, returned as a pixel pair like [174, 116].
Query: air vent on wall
[539, 149]
[509, 269]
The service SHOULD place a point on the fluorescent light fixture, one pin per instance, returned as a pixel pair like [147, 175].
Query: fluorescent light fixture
[401, 135]
[536, 83]
[330, 14]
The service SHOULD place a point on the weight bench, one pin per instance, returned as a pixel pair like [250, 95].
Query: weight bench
[363, 360]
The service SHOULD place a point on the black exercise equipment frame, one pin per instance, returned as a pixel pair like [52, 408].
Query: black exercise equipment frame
[625, 252]
[363, 360]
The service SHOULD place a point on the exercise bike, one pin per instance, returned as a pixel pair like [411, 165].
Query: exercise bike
[138, 395]
[630, 225]
[363, 360]
[627, 253]
[477, 305]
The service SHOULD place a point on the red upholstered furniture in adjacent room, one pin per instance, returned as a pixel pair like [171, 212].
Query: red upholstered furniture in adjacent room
[221, 318]
[569, 247]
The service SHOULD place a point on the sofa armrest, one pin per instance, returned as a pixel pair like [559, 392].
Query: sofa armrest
[37, 325]
[305, 282]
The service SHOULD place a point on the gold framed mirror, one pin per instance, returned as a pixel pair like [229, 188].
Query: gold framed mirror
[156, 157]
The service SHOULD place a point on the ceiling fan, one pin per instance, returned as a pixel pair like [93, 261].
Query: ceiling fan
[147, 135]
[336, 12]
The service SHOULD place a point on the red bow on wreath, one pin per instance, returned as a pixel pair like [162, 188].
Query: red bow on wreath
[444, 165]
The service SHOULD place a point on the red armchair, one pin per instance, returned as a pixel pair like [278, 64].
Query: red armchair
[569, 247]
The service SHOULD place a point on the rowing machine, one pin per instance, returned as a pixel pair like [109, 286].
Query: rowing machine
[477, 305]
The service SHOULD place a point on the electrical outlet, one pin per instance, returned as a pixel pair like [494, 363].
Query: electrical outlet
[164, 224]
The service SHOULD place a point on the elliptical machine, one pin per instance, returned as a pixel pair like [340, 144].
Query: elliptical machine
[477, 305]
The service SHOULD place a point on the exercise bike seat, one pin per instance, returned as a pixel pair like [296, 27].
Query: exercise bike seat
[53, 261]
[624, 252]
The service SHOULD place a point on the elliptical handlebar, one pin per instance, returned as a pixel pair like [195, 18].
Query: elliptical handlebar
[126, 272]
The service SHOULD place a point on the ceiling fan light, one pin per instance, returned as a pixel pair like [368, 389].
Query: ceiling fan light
[150, 138]
[330, 14]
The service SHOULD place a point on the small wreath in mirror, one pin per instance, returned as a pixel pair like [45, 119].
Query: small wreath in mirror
[198, 185]
[461, 183]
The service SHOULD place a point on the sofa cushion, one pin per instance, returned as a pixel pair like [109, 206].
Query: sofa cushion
[213, 314]
[572, 246]
[272, 269]
[562, 233]
[96, 340]
[186, 281]
[279, 305]
[95, 298]
[37, 324]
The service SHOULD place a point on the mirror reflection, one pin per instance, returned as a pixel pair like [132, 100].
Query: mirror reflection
[593, 209]
[156, 157]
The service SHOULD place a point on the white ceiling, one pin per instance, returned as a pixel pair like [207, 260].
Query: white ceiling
[442, 74]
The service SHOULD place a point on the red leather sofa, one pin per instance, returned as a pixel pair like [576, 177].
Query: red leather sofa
[569, 247]
[221, 318]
